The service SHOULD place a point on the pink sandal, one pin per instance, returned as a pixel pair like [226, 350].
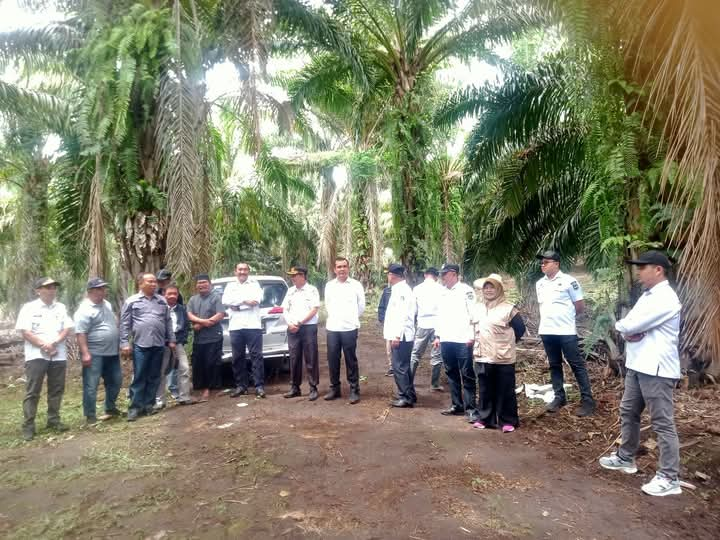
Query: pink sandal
[507, 428]
[478, 425]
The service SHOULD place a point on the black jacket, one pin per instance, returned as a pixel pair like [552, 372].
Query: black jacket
[183, 323]
[383, 304]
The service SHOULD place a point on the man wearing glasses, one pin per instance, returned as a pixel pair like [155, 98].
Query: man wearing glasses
[561, 299]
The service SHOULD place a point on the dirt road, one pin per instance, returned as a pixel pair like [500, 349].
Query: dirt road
[280, 468]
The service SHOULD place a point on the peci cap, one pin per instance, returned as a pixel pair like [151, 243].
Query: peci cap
[202, 277]
[295, 270]
[163, 274]
[44, 282]
[549, 254]
[652, 257]
[396, 269]
[431, 270]
[450, 268]
[96, 283]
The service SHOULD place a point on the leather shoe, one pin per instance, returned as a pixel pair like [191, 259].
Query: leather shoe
[294, 392]
[239, 391]
[133, 415]
[354, 397]
[332, 394]
[402, 404]
[556, 405]
[313, 394]
[260, 392]
[452, 411]
[587, 408]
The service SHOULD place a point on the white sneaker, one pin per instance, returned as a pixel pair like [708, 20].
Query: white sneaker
[661, 486]
[616, 463]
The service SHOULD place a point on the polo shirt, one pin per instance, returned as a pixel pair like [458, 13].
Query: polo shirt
[46, 322]
[205, 307]
[298, 303]
[345, 304]
[455, 314]
[400, 315]
[147, 320]
[98, 323]
[245, 317]
[427, 294]
[556, 298]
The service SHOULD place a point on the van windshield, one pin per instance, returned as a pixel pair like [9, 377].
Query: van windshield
[273, 292]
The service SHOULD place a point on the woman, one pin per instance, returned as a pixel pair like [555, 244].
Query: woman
[498, 326]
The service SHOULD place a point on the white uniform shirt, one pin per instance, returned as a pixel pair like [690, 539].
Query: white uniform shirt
[457, 305]
[557, 297]
[345, 304]
[245, 316]
[46, 322]
[428, 294]
[400, 315]
[657, 315]
[298, 303]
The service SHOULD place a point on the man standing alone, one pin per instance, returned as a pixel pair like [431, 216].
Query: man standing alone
[98, 339]
[206, 312]
[345, 304]
[560, 299]
[427, 294]
[651, 333]
[242, 298]
[399, 330]
[44, 324]
[145, 318]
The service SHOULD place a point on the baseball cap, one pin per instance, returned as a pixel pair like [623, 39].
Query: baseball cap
[450, 268]
[549, 254]
[431, 270]
[96, 283]
[295, 270]
[44, 282]
[397, 269]
[163, 274]
[652, 257]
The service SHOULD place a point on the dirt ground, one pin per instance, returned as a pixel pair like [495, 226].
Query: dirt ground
[279, 468]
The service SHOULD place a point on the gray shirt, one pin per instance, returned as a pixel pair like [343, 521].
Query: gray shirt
[98, 322]
[147, 320]
[206, 307]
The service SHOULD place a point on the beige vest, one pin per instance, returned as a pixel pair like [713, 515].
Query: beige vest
[494, 337]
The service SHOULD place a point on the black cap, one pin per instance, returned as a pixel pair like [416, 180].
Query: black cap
[295, 270]
[202, 277]
[549, 254]
[431, 270]
[163, 274]
[397, 269]
[652, 257]
[96, 283]
[450, 268]
[44, 282]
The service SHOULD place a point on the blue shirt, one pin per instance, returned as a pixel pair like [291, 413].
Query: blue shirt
[147, 321]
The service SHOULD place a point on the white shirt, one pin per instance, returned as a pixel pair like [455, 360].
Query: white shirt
[428, 294]
[234, 296]
[657, 315]
[46, 322]
[298, 303]
[557, 297]
[345, 304]
[400, 315]
[454, 323]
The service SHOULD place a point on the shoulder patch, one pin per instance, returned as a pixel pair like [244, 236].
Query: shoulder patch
[469, 295]
[575, 285]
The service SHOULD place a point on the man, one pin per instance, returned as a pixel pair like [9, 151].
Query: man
[399, 330]
[454, 336]
[145, 318]
[176, 360]
[98, 338]
[382, 308]
[561, 299]
[427, 294]
[345, 304]
[242, 298]
[206, 312]
[44, 324]
[653, 368]
[300, 308]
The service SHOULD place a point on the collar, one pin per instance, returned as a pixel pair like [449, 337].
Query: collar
[664, 283]
[559, 273]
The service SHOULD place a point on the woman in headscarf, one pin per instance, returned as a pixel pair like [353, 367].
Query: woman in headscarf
[498, 326]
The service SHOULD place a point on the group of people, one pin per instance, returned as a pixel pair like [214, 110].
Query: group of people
[474, 340]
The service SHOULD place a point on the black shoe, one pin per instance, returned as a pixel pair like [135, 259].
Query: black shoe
[151, 410]
[294, 392]
[332, 394]
[401, 404]
[28, 433]
[133, 415]
[260, 392]
[91, 420]
[587, 408]
[239, 391]
[58, 427]
[389, 373]
[313, 395]
[452, 411]
[556, 405]
[354, 397]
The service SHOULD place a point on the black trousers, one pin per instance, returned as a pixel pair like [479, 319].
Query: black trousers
[402, 372]
[252, 339]
[303, 346]
[555, 347]
[345, 343]
[206, 358]
[497, 405]
[457, 358]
